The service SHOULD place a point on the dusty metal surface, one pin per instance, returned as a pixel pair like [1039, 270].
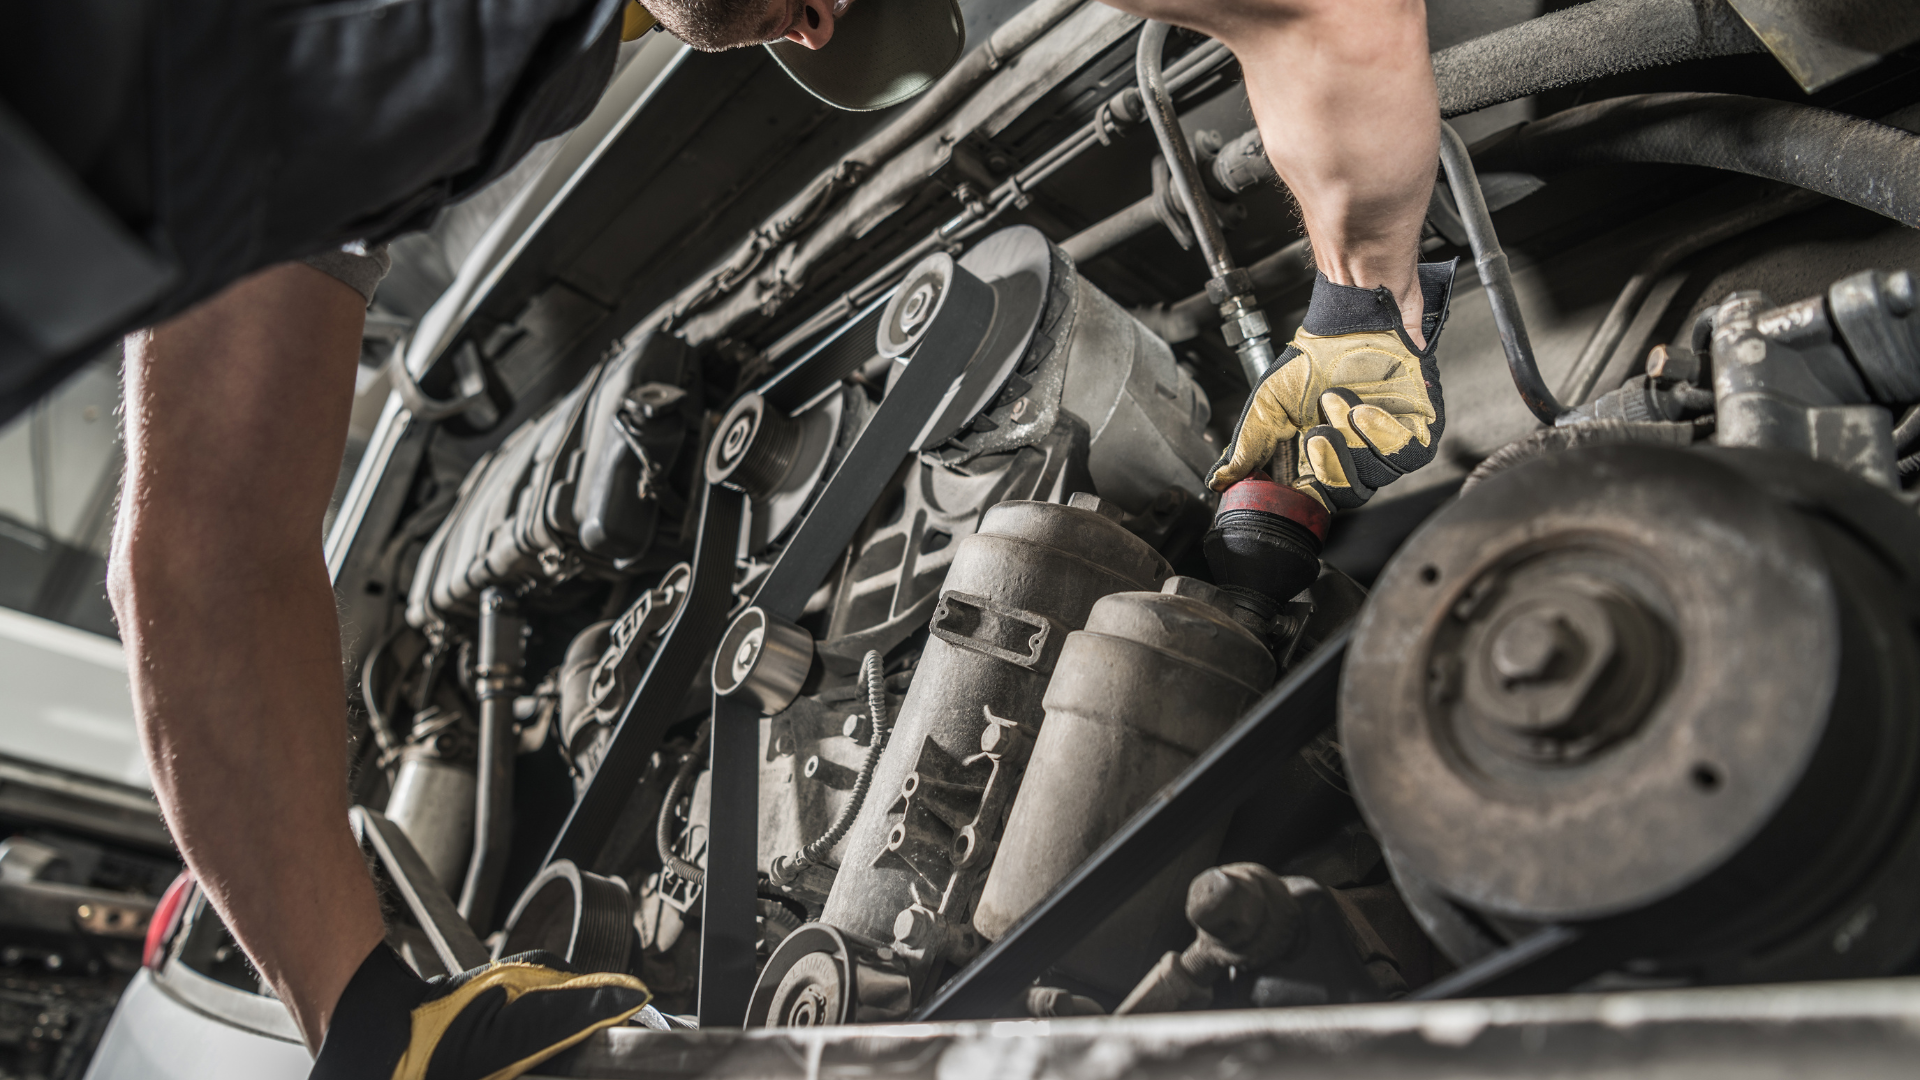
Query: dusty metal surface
[1855, 1029]
[1482, 709]
[1820, 44]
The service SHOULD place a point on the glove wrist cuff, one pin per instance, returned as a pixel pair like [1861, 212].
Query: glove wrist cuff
[373, 1020]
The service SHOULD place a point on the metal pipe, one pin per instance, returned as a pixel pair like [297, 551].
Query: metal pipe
[1495, 277]
[1105, 235]
[1606, 337]
[1119, 109]
[502, 654]
[1173, 145]
[1243, 323]
[1288, 268]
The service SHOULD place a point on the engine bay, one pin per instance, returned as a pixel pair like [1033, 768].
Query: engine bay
[848, 635]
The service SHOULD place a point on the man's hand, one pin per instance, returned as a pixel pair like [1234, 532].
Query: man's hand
[1362, 402]
[1364, 408]
[494, 1022]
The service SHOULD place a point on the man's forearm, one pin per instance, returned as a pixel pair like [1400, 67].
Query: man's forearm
[236, 419]
[1344, 96]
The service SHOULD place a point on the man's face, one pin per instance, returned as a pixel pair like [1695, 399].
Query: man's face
[808, 22]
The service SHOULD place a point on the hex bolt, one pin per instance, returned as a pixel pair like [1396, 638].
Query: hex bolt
[858, 727]
[1528, 646]
[1002, 738]
[919, 305]
[915, 927]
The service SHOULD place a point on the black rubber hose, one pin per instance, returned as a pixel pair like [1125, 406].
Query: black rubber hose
[1496, 278]
[1582, 43]
[1863, 162]
[663, 830]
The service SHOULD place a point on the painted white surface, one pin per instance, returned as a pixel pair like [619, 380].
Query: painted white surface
[154, 1037]
[65, 701]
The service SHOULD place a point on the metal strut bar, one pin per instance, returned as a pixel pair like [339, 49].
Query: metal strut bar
[727, 931]
[656, 700]
[452, 939]
[1275, 728]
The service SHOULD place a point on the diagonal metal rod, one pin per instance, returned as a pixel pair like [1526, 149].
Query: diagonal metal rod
[1276, 728]
[1183, 170]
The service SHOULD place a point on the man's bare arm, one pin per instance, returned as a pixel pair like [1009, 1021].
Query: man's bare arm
[1343, 92]
[236, 418]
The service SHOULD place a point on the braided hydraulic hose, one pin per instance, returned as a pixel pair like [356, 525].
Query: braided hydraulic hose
[786, 866]
[875, 676]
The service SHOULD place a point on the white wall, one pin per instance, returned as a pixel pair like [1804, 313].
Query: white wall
[64, 700]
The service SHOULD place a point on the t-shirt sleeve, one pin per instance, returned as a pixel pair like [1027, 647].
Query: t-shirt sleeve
[359, 266]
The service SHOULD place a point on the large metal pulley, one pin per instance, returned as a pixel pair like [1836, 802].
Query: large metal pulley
[1545, 714]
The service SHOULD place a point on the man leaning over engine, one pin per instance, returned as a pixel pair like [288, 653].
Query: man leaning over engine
[283, 131]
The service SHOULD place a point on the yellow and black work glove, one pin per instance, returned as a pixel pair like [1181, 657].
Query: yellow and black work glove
[1361, 405]
[491, 1023]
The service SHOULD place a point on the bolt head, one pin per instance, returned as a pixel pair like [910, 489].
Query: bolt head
[914, 927]
[998, 738]
[734, 442]
[918, 307]
[1539, 661]
[1531, 646]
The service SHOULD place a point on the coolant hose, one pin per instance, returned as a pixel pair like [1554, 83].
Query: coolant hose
[1496, 278]
[1864, 162]
[1582, 43]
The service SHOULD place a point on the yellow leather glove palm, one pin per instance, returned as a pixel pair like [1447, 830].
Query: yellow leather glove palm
[1362, 407]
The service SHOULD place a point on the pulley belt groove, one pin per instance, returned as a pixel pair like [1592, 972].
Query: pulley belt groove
[1274, 729]
[728, 933]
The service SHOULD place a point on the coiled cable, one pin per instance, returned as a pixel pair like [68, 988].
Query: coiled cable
[875, 676]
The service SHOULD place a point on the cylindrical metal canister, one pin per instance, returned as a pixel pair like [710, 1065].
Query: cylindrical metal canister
[1019, 586]
[432, 802]
[1150, 683]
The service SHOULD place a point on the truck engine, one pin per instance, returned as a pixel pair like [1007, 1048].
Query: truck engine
[834, 626]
